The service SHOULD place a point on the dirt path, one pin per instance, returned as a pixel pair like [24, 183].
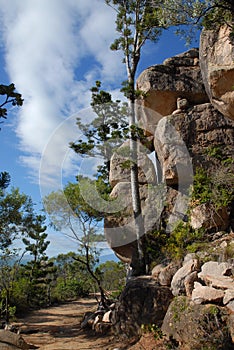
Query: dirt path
[58, 328]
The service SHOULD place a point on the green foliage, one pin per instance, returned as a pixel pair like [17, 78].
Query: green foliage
[215, 151]
[4, 180]
[201, 191]
[180, 305]
[217, 14]
[154, 329]
[216, 189]
[183, 238]
[16, 210]
[187, 17]
[135, 17]
[100, 138]
[70, 289]
[71, 278]
[136, 23]
[154, 243]
[10, 97]
[113, 276]
[20, 288]
[106, 131]
[39, 270]
[71, 214]
[36, 243]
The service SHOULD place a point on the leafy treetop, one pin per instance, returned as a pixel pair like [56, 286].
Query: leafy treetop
[107, 130]
[136, 22]
[10, 97]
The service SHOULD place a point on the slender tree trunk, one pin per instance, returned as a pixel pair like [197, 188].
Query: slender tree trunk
[7, 306]
[95, 278]
[138, 261]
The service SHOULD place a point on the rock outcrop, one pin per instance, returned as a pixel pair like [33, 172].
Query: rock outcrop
[150, 305]
[193, 303]
[193, 135]
[120, 171]
[217, 67]
[196, 327]
[186, 116]
[196, 136]
[179, 76]
[203, 298]
[210, 298]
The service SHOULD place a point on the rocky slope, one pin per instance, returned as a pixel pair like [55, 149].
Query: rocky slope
[187, 116]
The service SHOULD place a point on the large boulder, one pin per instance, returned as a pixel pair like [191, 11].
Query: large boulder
[196, 135]
[213, 268]
[172, 153]
[163, 84]
[178, 280]
[204, 294]
[201, 133]
[197, 327]
[143, 301]
[120, 169]
[208, 217]
[119, 227]
[217, 67]
[164, 274]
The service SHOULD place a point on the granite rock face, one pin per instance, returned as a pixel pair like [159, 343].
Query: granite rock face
[203, 306]
[120, 171]
[150, 305]
[178, 280]
[192, 137]
[196, 327]
[188, 132]
[217, 67]
[206, 216]
[179, 76]
[195, 136]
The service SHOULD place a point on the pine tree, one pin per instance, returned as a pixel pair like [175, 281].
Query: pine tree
[39, 269]
[136, 22]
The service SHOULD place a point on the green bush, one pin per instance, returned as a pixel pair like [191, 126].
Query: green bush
[69, 289]
[182, 239]
[216, 188]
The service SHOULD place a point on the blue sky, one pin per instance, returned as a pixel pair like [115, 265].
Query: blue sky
[54, 51]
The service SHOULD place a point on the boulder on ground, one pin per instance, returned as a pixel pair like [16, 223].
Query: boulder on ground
[178, 280]
[143, 301]
[197, 327]
[203, 295]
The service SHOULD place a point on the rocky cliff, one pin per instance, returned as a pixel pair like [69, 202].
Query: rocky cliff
[187, 116]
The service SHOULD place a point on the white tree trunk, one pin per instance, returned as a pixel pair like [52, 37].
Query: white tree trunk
[138, 263]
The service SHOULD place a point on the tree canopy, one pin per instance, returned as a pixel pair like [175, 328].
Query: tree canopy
[9, 96]
[16, 213]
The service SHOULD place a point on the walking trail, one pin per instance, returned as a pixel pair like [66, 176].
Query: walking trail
[58, 328]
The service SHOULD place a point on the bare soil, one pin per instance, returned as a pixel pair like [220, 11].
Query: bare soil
[58, 328]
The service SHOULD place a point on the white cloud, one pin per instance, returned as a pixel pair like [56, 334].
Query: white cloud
[97, 33]
[48, 45]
